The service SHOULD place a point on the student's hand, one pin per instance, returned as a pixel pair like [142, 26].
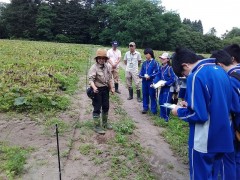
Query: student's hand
[147, 78]
[174, 111]
[183, 104]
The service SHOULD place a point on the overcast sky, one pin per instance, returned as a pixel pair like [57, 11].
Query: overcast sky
[221, 14]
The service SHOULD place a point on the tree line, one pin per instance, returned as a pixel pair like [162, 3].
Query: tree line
[145, 22]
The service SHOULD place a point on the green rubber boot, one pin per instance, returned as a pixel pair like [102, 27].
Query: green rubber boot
[98, 128]
[106, 125]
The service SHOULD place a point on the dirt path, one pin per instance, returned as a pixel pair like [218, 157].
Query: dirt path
[149, 136]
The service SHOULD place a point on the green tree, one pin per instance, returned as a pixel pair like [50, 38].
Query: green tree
[212, 43]
[185, 37]
[171, 24]
[233, 33]
[125, 25]
[44, 22]
[20, 18]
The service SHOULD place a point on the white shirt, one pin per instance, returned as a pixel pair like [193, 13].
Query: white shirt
[114, 55]
[132, 60]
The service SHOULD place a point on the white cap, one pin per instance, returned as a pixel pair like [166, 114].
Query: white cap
[165, 55]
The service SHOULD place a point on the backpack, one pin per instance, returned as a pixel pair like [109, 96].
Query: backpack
[175, 85]
[235, 75]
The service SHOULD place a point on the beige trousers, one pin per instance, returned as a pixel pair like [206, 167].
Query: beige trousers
[115, 73]
[132, 76]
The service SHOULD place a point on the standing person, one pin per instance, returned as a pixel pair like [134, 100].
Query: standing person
[224, 60]
[166, 73]
[207, 108]
[132, 59]
[100, 79]
[114, 56]
[183, 86]
[234, 51]
[150, 68]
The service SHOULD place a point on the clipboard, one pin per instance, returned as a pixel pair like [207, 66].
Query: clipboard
[168, 105]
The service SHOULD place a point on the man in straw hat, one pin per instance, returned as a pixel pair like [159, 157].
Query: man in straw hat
[100, 79]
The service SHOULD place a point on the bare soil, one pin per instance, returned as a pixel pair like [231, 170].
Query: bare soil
[42, 164]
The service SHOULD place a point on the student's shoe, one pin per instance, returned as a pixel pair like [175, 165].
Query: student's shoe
[144, 111]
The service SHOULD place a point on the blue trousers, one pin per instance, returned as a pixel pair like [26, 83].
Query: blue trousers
[165, 96]
[202, 166]
[149, 92]
[224, 169]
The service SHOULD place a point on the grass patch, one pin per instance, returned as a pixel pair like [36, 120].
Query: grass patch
[50, 125]
[85, 149]
[12, 160]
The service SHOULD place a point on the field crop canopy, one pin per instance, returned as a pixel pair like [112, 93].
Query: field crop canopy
[40, 76]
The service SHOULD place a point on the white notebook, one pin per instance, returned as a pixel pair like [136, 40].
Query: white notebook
[168, 105]
[159, 84]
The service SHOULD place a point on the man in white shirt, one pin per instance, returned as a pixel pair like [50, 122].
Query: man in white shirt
[114, 56]
[132, 59]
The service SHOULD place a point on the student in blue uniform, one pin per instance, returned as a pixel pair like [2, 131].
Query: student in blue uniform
[183, 86]
[150, 68]
[224, 60]
[166, 73]
[234, 51]
[207, 108]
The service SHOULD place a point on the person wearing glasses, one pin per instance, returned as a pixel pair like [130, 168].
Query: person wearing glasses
[206, 108]
[132, 59]
[166, 73]
[150, 68]
[100, 79]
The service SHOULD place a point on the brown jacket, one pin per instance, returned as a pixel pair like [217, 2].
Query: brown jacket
[101, 76]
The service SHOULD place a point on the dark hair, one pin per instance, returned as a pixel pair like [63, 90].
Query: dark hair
[106, 59]
[234, 51]
[181, 56]
[200, 57]
[149, 51]
[222, 57]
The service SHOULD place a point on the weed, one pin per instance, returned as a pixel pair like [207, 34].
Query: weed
[50, 125]
[12, 159]
[122, 139]
[125, 126]
[97, 161]
[85, 149]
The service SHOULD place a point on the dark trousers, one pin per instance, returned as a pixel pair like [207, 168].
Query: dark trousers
[101, 101]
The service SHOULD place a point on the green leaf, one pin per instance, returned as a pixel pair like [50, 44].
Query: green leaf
[20, 101]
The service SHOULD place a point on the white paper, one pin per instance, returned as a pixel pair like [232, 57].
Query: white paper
[159, 84]
[168, 105]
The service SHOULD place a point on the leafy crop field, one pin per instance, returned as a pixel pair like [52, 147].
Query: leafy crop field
[39, 76]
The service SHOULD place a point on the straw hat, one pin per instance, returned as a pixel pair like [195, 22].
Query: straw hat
[101, 53]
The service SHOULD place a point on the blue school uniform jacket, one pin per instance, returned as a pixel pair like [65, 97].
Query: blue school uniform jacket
[236, 96]
[166, 73]
[209, 97]
[150, 67]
